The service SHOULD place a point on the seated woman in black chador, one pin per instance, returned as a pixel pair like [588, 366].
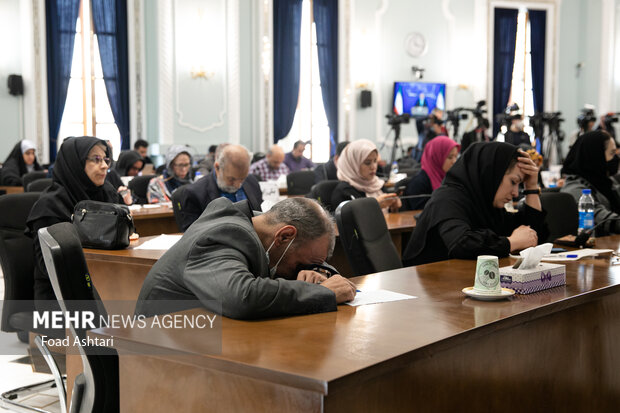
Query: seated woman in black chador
[20, 161]
[466, 217]
[79, 174]
[591, 162]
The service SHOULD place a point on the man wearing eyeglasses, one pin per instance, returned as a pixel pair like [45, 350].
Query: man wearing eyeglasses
[229, 178]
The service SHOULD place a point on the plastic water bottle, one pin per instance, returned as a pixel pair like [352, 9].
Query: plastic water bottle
[586, 211]
[197, 175]
[394, 170]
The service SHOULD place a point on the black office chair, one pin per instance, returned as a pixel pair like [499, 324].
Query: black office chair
[139, 186]
[300, 182]
[17, 260]
[257, 156]
[178, 199]
[562, 214]
[322, 192]
[365, 238]
[97, 388]
[39, 185]
[31, 177]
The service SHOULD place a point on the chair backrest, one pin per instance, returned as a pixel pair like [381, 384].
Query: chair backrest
[300, 182]
[178, 203]
[31, 177]
[257, 156]
[562, 214]
[70, 279]
[39, 185]
[365, 238]
[16, 256]
[139, 186]
[322, 192]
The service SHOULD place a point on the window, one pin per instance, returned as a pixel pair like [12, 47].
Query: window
[87, 109]
[521, 91]
[310, 122]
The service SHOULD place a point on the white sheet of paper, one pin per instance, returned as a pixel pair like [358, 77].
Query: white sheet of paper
[364, 297]
[563, 256]
[162, 242]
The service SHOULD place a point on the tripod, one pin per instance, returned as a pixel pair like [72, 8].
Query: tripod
[395, 124]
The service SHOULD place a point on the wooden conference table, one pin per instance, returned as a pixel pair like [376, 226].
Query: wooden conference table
[122, 272]
[554, 350]
[154, 220]
[11, 189]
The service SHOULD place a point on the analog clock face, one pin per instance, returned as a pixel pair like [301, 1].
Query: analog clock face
[415, 44]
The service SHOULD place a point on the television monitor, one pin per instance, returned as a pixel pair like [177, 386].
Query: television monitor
[418, 99]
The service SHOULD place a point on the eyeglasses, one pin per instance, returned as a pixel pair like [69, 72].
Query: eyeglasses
[181, 165]
[98, 159]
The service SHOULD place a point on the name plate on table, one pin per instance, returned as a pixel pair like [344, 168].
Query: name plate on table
[542, 277]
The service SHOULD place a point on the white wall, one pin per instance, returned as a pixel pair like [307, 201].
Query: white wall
[10, 63]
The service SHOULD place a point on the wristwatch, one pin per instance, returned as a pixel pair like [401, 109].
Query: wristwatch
[532, 191]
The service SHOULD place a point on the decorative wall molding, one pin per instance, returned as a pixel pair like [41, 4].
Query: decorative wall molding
[346, 89]
[165, 66]
[606, 69]
[180, 116]
[379, 13]
[137, 73]
[234, 77]
[34, 71]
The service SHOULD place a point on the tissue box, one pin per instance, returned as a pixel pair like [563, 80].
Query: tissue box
[543, 276]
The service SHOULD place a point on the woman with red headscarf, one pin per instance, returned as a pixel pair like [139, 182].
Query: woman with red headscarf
[438, 157]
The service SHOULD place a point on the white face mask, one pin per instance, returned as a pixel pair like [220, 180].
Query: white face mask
[272, 271]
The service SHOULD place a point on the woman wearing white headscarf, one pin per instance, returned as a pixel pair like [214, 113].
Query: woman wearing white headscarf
[176, 174]
[20, 161]
[357, 169]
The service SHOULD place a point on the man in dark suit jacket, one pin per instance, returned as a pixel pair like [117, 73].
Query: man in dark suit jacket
[250, 267]
[229, 179]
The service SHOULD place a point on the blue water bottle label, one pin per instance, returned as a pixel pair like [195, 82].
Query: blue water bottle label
[588, 220]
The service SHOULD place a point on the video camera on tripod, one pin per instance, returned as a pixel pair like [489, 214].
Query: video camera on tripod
[511, 113]
[551, 119]
[456, 115]
[394, 119]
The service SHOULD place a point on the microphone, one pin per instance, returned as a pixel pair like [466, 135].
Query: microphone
[584, 236]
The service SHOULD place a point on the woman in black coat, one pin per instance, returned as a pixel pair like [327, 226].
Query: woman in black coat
[466, 218]
[79, 174]
[20, 161]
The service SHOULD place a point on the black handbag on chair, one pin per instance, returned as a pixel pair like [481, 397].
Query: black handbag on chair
[102, 225]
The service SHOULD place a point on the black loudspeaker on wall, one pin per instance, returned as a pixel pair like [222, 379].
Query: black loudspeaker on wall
[16, 85]
[366, 98]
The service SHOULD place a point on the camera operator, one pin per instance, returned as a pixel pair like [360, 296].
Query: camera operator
[585, 121]
[477, 135]
[429, 128]
[515, 134]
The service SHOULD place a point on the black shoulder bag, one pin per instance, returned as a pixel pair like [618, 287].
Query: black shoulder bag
[102, 225]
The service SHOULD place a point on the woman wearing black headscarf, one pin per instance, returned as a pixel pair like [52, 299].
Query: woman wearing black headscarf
[465, 217]
[129, 163]
[79, 174]
[589, 165]
[20, 161]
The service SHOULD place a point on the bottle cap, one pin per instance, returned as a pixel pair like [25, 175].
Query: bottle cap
[586, 191]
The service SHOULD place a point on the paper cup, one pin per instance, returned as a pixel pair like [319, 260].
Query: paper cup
[487, 275]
